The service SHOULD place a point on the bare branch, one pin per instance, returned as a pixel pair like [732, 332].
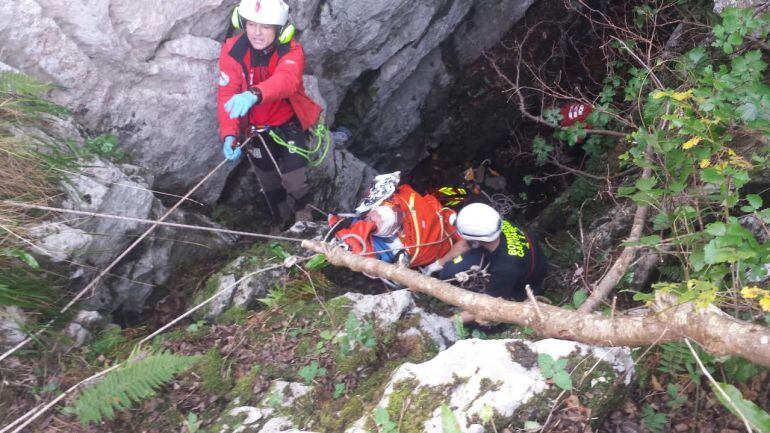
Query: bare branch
[714, 330]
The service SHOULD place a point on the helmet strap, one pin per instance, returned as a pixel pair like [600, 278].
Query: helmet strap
[237, 20]
[286, 33]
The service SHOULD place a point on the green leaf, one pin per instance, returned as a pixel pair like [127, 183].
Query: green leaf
[562, 380]
[747, 111]
[651, 240]
[660, 221]
[531, 425]
[716, 229]
[654, 421]
[22, 255]
[135, 381]
[755, 201]
[382, 419]
[711, 175]
[739, 370]
[542, 149]
[546, 363]
[339, 390]
[697, 260]
[192, 422]
[696, 55]
[735, 39]
[644, 297]
[758, 418]
[278, 251]
[460, 331]
[646, 184]
[449, 422]
[487, 413]
[317, 262]
[579, 297]
[560, 364]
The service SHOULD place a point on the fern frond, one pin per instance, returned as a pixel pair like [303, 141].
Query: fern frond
[131, 384]
[673, 272]
[673, 359]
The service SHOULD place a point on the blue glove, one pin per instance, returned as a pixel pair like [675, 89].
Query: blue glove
[239, 104]
[230, 153]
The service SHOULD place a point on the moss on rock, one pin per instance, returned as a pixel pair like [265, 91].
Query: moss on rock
[214, 373]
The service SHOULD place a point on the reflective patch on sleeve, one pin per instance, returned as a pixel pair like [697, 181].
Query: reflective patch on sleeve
[289, 62]
[224, 79]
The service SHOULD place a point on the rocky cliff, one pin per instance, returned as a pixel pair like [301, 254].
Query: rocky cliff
[147, 69]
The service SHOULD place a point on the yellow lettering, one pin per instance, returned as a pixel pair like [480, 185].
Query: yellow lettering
[515, 239]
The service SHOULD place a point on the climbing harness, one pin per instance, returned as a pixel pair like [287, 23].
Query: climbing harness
[322, 143]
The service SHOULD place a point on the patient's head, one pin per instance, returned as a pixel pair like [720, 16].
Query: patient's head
[386, 219]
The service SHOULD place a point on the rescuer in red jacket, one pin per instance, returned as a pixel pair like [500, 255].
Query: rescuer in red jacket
[260, 85]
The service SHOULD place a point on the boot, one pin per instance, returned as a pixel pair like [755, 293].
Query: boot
[285, 215]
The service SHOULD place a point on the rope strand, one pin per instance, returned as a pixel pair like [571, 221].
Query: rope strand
[125, 252]
[38, 410]
[147, 221]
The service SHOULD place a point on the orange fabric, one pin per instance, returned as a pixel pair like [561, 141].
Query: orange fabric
[359, 230]
[425, 222]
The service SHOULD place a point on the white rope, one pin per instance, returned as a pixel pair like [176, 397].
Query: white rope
[126, 185]
[145, 221]
[39, 410]
[72, 262]
[270, 154]
[125, 252]
[202, 304]
[715, 384]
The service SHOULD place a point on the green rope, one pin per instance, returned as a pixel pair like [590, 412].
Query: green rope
[323, 139]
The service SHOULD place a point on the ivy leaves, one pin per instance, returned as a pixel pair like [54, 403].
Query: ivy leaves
[736, 25]
[555, 370]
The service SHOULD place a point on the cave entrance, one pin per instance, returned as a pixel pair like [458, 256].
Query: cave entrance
[524, 167]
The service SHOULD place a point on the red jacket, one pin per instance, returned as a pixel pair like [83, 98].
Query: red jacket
[279, 79]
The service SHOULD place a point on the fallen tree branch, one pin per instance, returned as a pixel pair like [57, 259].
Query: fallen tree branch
[714, 330]
[619, 268]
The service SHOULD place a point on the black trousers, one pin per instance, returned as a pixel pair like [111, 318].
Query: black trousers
[288, 190]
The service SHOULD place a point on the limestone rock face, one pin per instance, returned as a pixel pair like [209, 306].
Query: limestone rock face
[12, 323]
[388, 308]
[720, 5]
[91, 244]
[147, 70]
[237, 286]
[500, 377]
[262, 418]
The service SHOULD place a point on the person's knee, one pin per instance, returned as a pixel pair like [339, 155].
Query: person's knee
[295, 184]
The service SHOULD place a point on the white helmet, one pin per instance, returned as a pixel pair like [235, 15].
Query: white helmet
[274, 12]
[479, 222]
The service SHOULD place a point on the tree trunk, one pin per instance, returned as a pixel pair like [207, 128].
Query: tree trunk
[713, 329]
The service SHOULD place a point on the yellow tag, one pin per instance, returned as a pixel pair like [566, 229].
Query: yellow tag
[457, 259]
